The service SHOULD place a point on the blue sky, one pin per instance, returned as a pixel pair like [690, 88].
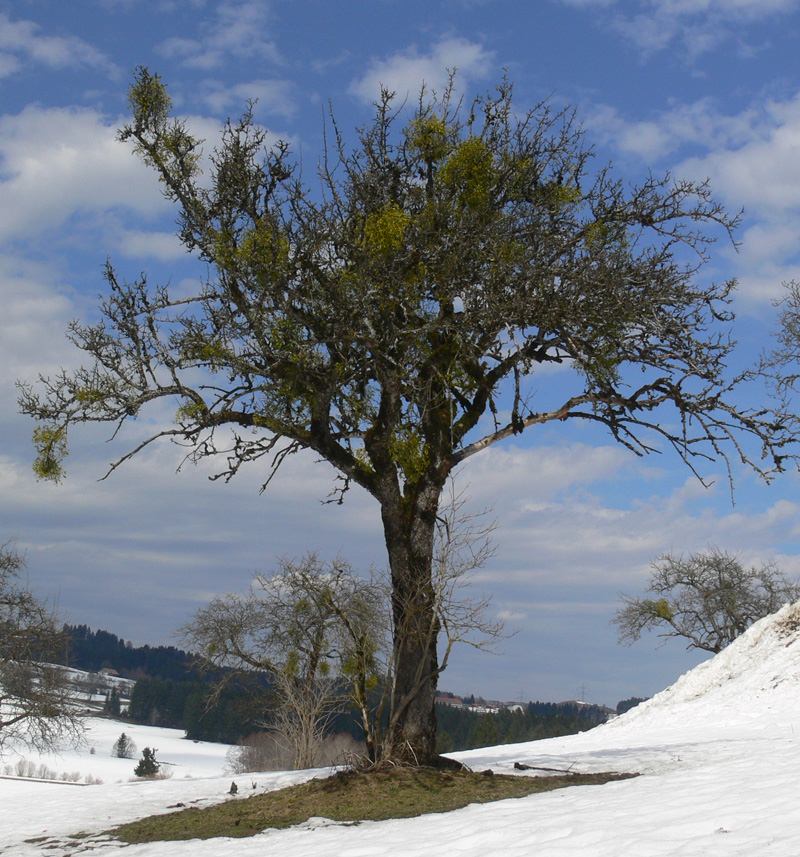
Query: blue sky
[700, 87]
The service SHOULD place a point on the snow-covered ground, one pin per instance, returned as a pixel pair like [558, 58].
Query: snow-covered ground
[719, 754]
[181, 759]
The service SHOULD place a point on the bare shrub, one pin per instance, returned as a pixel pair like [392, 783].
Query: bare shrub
[261, 751]
[341, 749]
[30, 770]
[25, 768]
[269, 751]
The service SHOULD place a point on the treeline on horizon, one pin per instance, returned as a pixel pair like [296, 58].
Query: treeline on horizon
[173, 689]
[462, 729]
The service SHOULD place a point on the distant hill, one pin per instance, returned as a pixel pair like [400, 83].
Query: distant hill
[90, 650]
[478, 723]
[171, 690]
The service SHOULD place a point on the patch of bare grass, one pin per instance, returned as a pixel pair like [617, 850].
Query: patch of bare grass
[349, 796]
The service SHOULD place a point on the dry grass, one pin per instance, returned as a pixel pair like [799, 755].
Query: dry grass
[350, 796]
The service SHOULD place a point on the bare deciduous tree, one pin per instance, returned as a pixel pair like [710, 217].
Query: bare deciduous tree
[361, 643]
[37, 704]
[708, 599]
[286, 628]
[444, 259]
[783, 363]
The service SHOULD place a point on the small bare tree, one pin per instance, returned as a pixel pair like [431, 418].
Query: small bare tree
[285, 628]
[360, 641]
[708, 599]
[37, 705]
[263, 751]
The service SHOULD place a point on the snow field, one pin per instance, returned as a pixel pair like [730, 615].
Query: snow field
[718, 752]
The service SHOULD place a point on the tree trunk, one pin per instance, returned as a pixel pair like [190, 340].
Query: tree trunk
[411, 734]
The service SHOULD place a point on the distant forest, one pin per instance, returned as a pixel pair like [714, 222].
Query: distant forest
[90, 650]
[461, 729]
[172, 689]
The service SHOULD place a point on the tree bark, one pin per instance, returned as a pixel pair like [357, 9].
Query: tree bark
[409, 533]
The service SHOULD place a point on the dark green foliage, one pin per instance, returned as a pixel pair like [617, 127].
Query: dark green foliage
[225, 714]
[461, 729]
[626, 704]
[124, 748]
[147, 765]
[173, 688]
[111, 706]
[90, 650]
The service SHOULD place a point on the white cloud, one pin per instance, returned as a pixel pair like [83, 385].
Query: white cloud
[163, 246]
[272, 96]
[510, 615]
[34, 316]
[767, 257]
[58, 161]
[236, 29]
[700, 25]
[405, 72]
[577, 542]
[762, 173]
[505, 470]
[698, 123]
[23, 40]
[8, 64]
[751, 159]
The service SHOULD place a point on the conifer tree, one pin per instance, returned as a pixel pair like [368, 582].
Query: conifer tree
[147, 765]
[123, 748]
[112, 704]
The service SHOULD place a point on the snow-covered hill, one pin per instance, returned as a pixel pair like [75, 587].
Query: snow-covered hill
[91, 689]
[719, 752]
